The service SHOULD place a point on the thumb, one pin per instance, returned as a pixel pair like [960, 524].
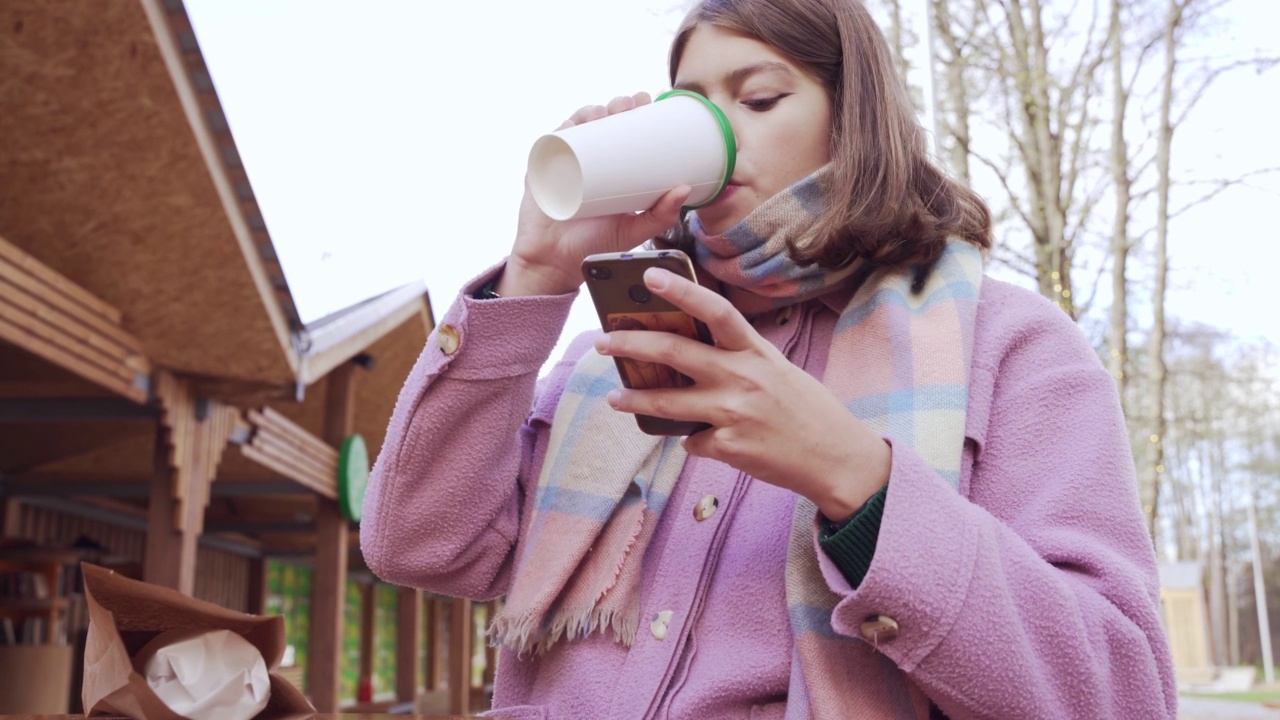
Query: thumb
[664, 214]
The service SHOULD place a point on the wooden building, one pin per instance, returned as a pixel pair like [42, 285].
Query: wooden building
[159, 396]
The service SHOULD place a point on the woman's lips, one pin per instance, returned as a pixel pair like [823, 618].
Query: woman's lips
[728, 192]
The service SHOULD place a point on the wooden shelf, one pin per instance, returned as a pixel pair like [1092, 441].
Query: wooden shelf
[46, 599]
[25, 607]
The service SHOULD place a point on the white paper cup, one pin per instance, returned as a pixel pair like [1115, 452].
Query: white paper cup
[625, 162]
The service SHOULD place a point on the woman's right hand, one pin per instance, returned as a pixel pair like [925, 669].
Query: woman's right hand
[547, 256]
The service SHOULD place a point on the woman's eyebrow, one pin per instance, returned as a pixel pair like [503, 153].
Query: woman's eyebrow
[739, 76]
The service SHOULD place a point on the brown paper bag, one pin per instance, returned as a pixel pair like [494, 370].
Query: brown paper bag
[125, 616]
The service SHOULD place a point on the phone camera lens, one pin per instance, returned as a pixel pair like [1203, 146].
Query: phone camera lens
[639, 293]
[600, 273]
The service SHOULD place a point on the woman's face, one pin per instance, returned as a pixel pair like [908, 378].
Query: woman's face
[780, 114]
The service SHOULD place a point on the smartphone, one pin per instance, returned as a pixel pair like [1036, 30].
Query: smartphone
[616, 284]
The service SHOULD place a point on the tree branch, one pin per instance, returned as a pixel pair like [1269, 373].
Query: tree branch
[1014, 201]
[1260, 64]
[1221, 186]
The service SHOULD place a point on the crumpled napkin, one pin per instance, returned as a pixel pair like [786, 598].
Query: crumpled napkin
[217, 675]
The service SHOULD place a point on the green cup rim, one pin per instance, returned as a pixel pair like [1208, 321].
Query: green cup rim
[726, 131]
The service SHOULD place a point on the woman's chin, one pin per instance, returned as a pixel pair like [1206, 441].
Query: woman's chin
[713, 227]
[716, 220]
[725, 211]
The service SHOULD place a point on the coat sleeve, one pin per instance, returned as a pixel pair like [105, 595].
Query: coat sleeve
[443, 507]
[1034, 594]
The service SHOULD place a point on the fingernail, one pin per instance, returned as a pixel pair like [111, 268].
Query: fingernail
[601, 344]
[657, 278]
[613, 397]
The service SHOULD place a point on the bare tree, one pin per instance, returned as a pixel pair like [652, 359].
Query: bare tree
[1119, 335]
[955, 108]
[1149, 479]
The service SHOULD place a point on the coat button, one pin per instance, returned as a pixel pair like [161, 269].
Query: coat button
[449, 339]
[705, 508]
[879, 628]
[659, 625]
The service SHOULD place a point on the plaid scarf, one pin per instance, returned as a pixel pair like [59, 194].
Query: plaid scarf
[899, 360]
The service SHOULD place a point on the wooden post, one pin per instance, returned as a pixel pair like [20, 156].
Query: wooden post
[190, 439]
[490, 650]
[170, 555]
[256, 594]
[328, 587]
[460, 657]
[435, 643]
[11, 516]
[368, 606]
[408, 637]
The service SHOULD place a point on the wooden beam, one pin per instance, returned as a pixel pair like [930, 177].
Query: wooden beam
[282, 445]
[460, 657]
[328, 601]
[48, 315]
[255, 600]
[408, 639]
[170, 556]
[18, 259]
[30, 389]
[192, 436]
[73, 409]
[57, 355]
[65, 485]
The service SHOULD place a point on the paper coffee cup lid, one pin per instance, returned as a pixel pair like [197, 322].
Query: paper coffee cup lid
[726, 130]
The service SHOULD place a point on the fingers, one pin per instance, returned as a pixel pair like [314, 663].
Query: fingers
[730, 329]
[685, 355]
[622, 103]
[585, 115]
[674, 404]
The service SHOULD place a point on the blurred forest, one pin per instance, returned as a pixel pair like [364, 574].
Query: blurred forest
[1065, 116]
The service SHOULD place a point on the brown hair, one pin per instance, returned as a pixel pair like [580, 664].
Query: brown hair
[900, 208]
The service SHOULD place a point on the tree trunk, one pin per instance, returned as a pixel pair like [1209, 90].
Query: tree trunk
[1118, 338]
[1041, 154]
[897, 43]
[1156, 372]
[957, 93]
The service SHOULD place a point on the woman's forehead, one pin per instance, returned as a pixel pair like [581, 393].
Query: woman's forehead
[715, 55]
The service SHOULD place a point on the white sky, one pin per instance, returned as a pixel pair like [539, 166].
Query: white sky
[386, 139]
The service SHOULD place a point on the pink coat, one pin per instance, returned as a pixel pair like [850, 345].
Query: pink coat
[1031, 593]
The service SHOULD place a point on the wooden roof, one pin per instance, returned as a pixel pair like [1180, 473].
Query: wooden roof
[118, 170]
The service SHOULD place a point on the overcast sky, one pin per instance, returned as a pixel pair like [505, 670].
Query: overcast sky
[386, 140]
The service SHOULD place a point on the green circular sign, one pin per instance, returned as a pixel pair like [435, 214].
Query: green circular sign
[353, 476]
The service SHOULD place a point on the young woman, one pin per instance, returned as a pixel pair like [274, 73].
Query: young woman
[916, 497]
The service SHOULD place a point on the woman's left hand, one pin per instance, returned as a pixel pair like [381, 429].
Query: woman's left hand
[769, 418]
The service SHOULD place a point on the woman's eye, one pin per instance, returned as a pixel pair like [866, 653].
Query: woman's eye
[762, 104]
